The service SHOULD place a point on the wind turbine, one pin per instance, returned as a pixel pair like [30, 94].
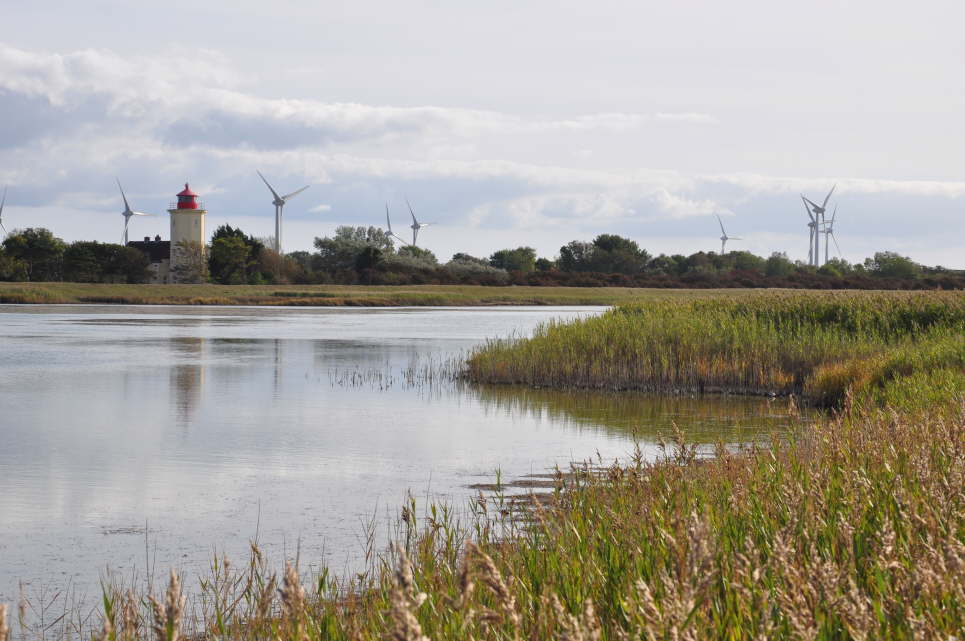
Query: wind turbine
[279, 203]
[817, 221]
[812, 226]
[2, 203]
[389, 225]
[416, 225]
[724, 237]
[829, 233]
[128, 213]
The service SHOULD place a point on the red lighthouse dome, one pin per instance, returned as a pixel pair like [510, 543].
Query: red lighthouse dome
[187, 199]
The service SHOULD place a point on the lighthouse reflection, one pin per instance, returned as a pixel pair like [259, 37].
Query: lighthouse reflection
[187, 378]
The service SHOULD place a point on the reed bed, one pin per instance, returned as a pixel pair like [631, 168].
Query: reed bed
[820, 345]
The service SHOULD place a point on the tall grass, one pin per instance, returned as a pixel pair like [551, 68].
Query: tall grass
[819, 344]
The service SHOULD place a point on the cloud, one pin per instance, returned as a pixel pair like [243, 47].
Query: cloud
[74, 121]
[690, 117]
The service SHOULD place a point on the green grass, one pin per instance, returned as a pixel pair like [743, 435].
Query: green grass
[823, 345]
[326, 295]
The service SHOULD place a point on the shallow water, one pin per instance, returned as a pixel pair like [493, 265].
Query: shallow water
[151, 437]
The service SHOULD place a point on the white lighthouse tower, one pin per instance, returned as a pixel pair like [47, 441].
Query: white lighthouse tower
[187, 238]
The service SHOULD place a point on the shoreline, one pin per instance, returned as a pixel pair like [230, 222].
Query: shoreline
[60, 293]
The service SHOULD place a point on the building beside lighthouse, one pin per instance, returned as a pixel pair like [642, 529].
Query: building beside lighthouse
[182, 259]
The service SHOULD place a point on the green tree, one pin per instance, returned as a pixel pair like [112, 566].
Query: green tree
[521, 259]
[12, 269]
[39, 250]
[747, 261]
[466, 258]
[82, 263]
[836, 267]
[608, 253]
[340, 252]
[892, 265]
[230, 260]
[93, 262]
[779, 265]
[223, 264]
[420, 254]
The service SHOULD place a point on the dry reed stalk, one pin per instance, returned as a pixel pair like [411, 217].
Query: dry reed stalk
[4, 627]
[585, 627]
[493, 579]
[167, 618]
[130, 620]
[107, 630]
[405, 601]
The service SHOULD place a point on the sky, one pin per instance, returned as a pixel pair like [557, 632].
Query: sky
[505, 123]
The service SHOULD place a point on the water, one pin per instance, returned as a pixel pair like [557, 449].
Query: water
[153, 437]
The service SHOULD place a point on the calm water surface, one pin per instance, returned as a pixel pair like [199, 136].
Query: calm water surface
[190, 430]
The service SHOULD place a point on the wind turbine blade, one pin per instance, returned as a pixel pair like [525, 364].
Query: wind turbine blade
[295, 193]
[806, 208]
[140, 213]
[123, 195]
[3, 201]
[388, 223]
[813, 204]
[414, 221]
[828, 196]
[833, 214]
[734, 238]
[270, 188]
[721, 223]
[3, 228]
[836, 246]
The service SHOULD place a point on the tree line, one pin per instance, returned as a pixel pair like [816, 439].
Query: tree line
[368, 255]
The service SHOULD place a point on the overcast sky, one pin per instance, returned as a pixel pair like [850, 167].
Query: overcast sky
[507, 123]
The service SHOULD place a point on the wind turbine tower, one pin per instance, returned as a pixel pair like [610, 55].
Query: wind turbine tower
[724, 237]
[279, 203]
[3, 201]
[128, 213]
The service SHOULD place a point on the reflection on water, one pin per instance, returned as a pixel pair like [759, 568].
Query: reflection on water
[187, 377]
[646, 417]
[211, 424]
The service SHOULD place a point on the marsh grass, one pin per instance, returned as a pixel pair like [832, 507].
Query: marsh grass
[820, 345]
[332, 295]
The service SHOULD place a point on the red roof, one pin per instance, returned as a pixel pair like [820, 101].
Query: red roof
[187, 191]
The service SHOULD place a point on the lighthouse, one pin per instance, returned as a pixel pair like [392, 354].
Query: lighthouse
[187, 238]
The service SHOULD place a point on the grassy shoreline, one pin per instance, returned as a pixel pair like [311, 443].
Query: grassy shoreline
[322, 295]
[358, 295]
[852, 527]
